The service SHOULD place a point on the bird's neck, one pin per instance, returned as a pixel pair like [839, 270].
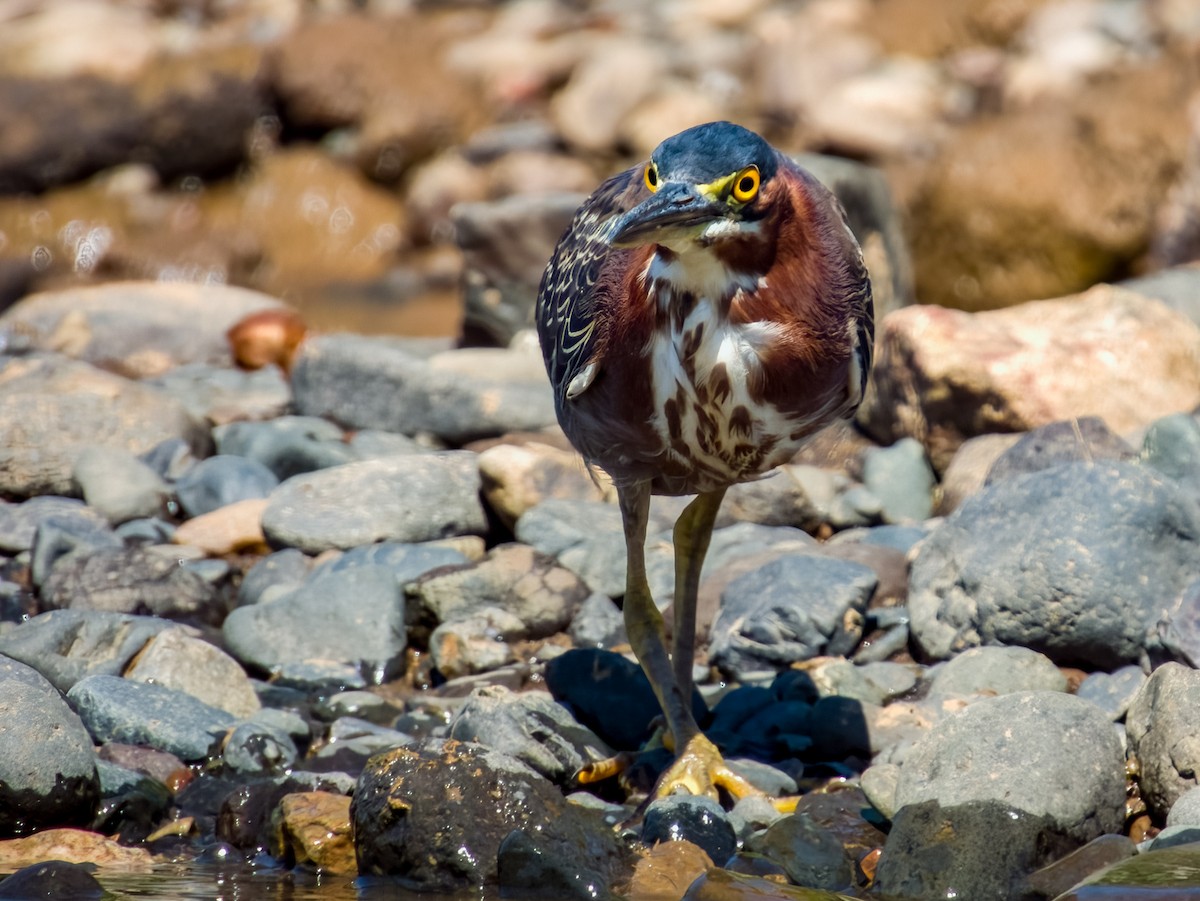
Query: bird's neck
[700, 272]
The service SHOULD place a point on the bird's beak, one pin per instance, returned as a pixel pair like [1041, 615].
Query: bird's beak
[676, 208]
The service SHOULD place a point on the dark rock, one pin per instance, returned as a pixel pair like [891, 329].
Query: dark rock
[407, 499]
[369, 383]
[220, 481]
[839, 728]
[53, 879]
[999, 671]
[505, 245]
[55, 408]
[1047, 754]
[529, 727]
[436, 816]
[1113, 692]
[288, 445]
[19, 523]
[1087, 439]
[243, 815]
[1161, 873]
[68, 645]
[1058, 877]
[1163, 725]
[750, 721]
[353, 617]
[528, 866]
[974, 849]
[47, 767]
[1027, 563]
[610, 695]
[808, 852]
[59, 536]
[116, 709]
[786, 611]
[701, 821]
[130, 580]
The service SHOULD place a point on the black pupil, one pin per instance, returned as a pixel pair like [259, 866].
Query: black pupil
[746, 185]
[652, 176]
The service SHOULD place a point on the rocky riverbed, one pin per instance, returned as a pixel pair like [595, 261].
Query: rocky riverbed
[355, 611]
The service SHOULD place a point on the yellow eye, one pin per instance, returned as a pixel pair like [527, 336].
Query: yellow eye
[651, 177]
[745, 186]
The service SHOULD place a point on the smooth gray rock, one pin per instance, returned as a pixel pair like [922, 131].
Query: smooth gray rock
[1176, 635]
[1172, 446]
[47, 766]
[1113, 692]
[274, 576]
[997, 670]
[138, 713]
[222, 480]
[68, 645]
[178, 659]
[287, 446]
[59, 536]
[1186, 809]
[223, 393]
[599, 623]
[406, 561]
[406, 499]
[1027, 562]
[354, 617]
[363, 382]
[901, 477]
[256, 747]
[530, 727]
[19, 523]
[1087, 439]
[477, 643]
[786, 611]
[119, 485]
[1045, 753]
[1163, 725]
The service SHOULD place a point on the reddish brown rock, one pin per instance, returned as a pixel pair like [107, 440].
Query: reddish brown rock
[73, 846]
[314, 828]
[943, 376]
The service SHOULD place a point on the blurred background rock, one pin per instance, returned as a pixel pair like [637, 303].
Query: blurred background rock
[399, 166]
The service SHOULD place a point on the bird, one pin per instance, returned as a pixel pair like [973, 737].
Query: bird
[704, 315]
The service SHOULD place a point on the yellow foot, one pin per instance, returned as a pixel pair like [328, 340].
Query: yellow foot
[599, 770]
[699, 769]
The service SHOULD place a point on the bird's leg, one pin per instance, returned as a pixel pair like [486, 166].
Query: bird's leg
[693, 531]
[698, 767]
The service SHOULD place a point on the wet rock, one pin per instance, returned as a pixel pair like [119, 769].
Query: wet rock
[130, 580]
[1169, 871]
[118, 484]
[1026, 553]
[19, 523]
[505, 245]
[1113, 692]
[701, 821]
[229, 529]
[174, 658]
[436, 816]
[73, 846]
[1086, 439]
[116, 709]
[1061, 148]
[529, 864]
[666, 869]
[995, 670]
[186, 115]
[542, 595]
[943, 376]
[53, 879]
[371, 383]
[354, 617]
[314, 829]
[786, 611]
[139, 329]
[968, 469]
[67, 645]
[288, 445]
[246, 816]
[902, 480]
[812, 857]
[477, 643]
[1058, 877]
[165, 769]
[55, 408]
[256, 747]
[406, 499]
[220, 481]
[47, 768]
[1165, 736]
[518, 477]
[609, 695]
[529, 727]
[1047, 754]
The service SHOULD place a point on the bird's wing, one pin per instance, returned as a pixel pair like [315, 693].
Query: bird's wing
[567, 297]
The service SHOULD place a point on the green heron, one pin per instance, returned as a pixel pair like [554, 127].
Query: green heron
[703, 316]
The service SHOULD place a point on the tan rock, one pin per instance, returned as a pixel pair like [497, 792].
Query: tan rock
[518, 477]
[226, 530]
[943, 376]
[315, 828]
[968, 468]
[667, 870]
[179, 660]
[72, 846]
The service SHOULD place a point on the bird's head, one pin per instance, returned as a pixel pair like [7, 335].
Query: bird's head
[707, 184]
